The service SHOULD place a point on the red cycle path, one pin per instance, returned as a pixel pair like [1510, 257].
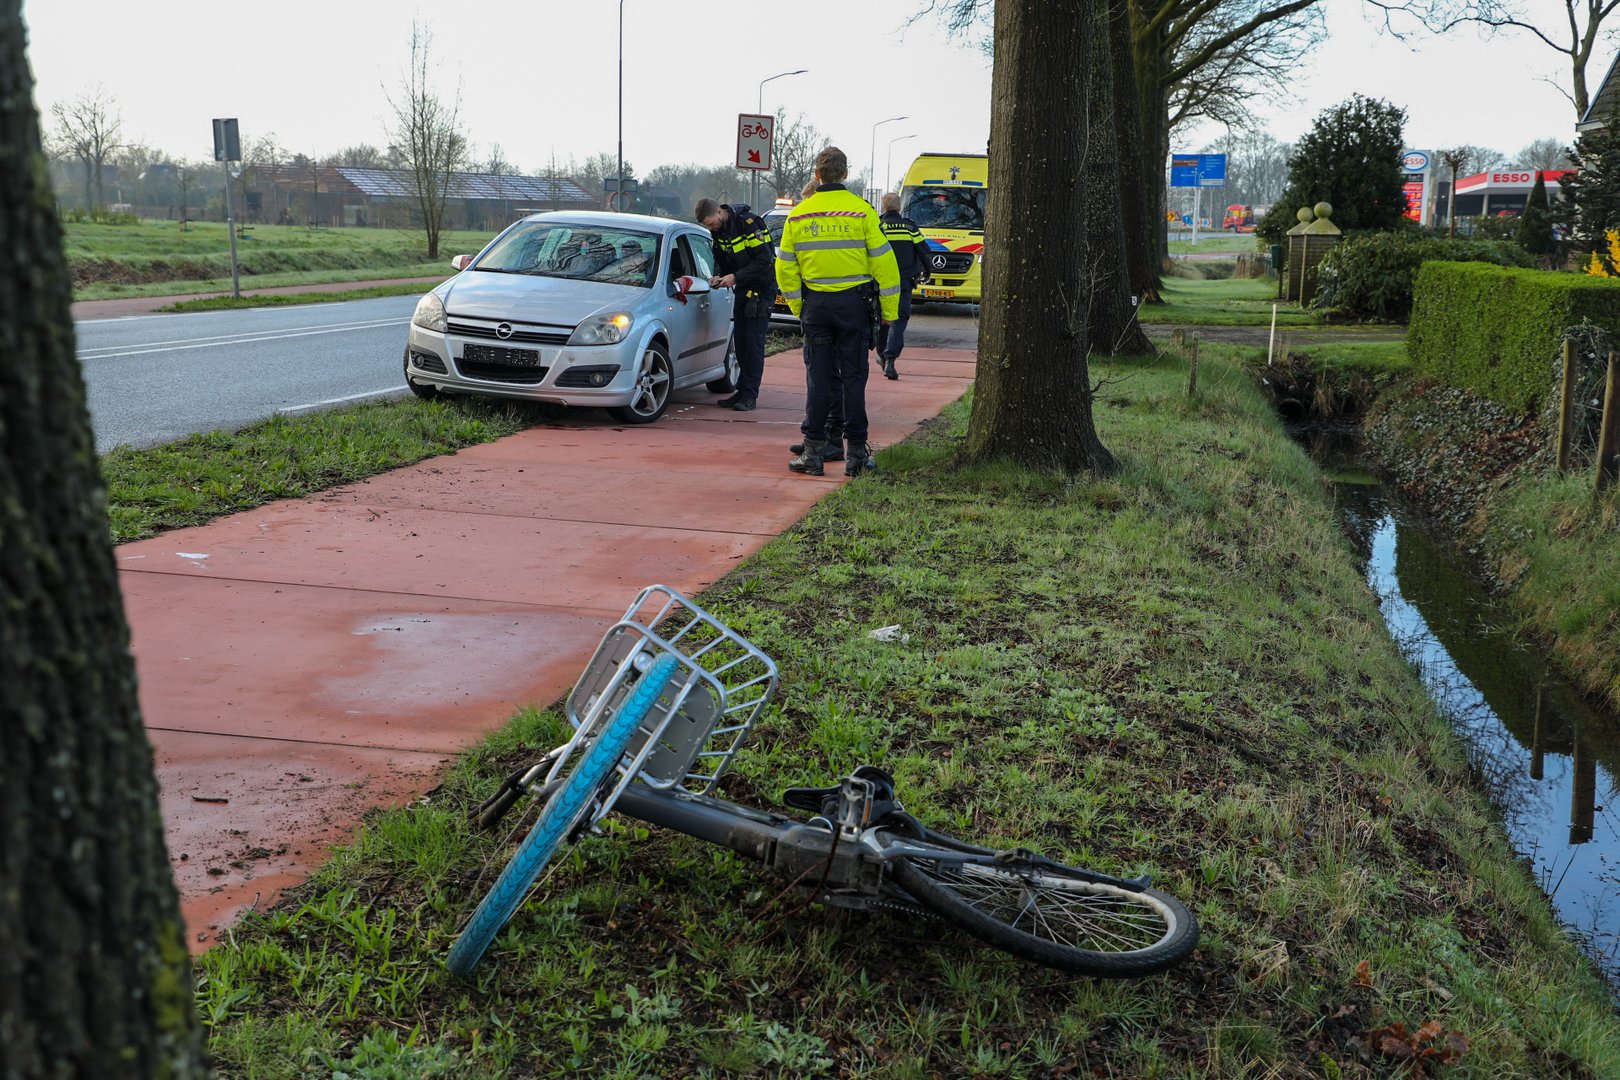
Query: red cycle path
[306, 661]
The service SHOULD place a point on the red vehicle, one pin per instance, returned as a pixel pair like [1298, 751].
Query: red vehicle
[1239, 218]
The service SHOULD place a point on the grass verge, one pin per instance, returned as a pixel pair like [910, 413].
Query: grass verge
[1175, 669]
[258, 300]
[1223, 302]
[222, 472]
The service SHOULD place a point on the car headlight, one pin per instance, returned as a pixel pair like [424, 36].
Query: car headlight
[606, 329]
[430, 313]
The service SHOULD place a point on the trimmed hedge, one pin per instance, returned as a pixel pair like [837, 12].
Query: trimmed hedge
[1496, 331]
[1370, 275]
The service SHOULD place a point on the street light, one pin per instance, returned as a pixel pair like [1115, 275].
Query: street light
[759, 109]
[618, 197]
[872, 159]
[888, 164]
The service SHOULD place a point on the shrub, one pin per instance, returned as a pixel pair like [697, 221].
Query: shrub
[1496, 330]
[1371, 276]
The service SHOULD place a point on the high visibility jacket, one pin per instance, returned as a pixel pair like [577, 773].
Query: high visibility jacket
[743, 247]
[910, 249]
[833, 241]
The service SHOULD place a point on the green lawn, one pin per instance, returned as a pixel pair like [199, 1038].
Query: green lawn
[1176, 669]
[1224, 302]
[158, 259]
[1181, 243]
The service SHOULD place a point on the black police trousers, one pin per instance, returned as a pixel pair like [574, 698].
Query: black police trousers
[837, 328]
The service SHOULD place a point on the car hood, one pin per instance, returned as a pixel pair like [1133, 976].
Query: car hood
[525, 298]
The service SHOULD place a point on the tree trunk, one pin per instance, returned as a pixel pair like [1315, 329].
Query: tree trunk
[1112, 326]
[1139, 195]
[95, 980]
[1032, 399]
[1152, 150]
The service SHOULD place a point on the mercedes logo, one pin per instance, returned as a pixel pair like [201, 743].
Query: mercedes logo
[503, 331]
[938, 262]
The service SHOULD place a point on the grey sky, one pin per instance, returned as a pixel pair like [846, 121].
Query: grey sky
[539, 77]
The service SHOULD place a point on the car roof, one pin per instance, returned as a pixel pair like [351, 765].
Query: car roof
[606, 219]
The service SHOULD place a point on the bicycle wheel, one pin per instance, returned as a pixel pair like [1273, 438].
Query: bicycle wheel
[1054, 915]
[562, 813]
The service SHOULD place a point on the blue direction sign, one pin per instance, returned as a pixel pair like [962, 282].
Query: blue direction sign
[1198, 170]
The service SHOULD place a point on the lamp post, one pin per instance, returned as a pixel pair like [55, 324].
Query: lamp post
[871, 168]
[759, 109]
[618, 198]
[888, 164]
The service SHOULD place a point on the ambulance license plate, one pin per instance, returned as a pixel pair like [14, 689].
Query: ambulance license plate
[938, 294]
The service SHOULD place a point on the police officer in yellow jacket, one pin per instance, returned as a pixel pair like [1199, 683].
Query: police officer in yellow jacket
[832, 249]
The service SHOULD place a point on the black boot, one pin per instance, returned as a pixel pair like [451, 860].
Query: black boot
[888, 370]
[859, 459]
[809, 461]
[833, 451]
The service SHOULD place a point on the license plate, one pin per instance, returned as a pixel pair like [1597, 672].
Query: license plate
[490, 354]
[939, 294]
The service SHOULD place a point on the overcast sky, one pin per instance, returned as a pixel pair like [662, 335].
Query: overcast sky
[541, 77]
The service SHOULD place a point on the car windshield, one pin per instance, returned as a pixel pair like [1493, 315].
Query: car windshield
[581, 252]
[945, 207]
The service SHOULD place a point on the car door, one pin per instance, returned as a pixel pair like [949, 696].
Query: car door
[712, 318]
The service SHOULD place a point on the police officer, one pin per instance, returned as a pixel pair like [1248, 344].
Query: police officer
[832, 245]
[742, 247]
[835, 412]
[911, 255]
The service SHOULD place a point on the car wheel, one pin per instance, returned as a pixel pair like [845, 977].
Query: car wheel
[425, 391]
[653, 381]
[727, 383]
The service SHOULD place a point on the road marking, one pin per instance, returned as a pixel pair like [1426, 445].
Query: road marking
[340, 400]
[248, 338]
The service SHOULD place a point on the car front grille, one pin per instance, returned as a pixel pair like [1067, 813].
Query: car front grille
[526, 333]
[948, 262]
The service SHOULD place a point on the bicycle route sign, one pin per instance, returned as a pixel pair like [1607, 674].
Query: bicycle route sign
[755, 137]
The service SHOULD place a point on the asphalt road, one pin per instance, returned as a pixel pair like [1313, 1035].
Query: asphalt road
[155, 378]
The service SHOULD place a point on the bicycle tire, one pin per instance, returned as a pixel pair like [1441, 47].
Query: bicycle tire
[1058, 916]
[561, 814]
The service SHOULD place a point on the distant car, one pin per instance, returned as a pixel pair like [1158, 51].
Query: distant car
[592, 309]
[779, 309]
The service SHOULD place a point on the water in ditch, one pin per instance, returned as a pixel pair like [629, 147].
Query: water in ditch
[1550, 760]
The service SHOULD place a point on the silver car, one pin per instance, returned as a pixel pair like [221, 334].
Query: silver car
[606, 310]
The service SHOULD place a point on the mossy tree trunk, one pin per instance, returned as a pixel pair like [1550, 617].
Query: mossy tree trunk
[95, 980]
[1033, 396]
[1111, 324]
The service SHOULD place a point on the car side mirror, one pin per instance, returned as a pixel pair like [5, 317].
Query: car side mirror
[687, 285]
[461, 262]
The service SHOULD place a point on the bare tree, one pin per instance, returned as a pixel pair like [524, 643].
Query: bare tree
[87, 130]
[95, 979]
[1465, 160]
[1033, 396]
[1544, 154]
[596, 170]
[1256, 166]
[1573, 29]
[427, 132]
[360, 156]
[793, 157]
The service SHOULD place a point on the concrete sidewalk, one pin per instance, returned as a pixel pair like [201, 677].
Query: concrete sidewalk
[306, 661]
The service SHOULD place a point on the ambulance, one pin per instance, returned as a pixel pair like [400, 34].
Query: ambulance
[945, 195]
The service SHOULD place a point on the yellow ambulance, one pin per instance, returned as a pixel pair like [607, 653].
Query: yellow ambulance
[945, 195]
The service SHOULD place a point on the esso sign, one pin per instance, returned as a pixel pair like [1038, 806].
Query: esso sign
[1414, 161]
[1513, 177]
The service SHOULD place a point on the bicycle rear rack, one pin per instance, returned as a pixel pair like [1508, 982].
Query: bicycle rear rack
[707, 710]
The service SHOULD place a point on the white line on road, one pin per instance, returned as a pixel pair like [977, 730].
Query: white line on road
[340, 400]
[251, 338]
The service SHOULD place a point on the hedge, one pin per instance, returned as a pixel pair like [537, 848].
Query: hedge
[1370, 276]
[1496, 331]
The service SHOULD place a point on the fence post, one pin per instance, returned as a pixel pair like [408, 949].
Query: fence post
[1192, 370]
[1609, 432]
[1566, 398]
